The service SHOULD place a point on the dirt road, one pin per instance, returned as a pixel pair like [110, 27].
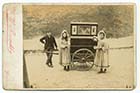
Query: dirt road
[120, 74]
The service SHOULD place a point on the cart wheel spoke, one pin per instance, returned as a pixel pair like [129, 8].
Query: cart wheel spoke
[87, 53]
[77, 56]
[88, 56]
[89, 63]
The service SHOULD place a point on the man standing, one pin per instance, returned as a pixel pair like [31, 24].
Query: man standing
[49, 45]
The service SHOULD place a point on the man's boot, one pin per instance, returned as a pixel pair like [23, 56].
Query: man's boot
[64, 67]
[51, 65]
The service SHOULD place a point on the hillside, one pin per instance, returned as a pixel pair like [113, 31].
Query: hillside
[38, 19]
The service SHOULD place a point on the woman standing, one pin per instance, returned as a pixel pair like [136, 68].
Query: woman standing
[65, 50]
[102, 53]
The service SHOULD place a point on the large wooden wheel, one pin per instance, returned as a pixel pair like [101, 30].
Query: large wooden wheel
[83, 59]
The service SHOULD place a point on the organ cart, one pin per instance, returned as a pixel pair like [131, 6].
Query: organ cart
[82, 42]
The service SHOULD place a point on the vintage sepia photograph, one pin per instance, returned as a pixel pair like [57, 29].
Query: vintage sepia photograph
[79, 46]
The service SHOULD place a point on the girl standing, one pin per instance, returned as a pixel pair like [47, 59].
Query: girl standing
[65, 50]
[102, 53]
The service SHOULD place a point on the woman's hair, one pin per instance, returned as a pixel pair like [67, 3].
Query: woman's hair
[65, 38]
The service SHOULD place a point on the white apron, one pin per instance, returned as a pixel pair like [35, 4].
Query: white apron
[64, 53]
[102, 55]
